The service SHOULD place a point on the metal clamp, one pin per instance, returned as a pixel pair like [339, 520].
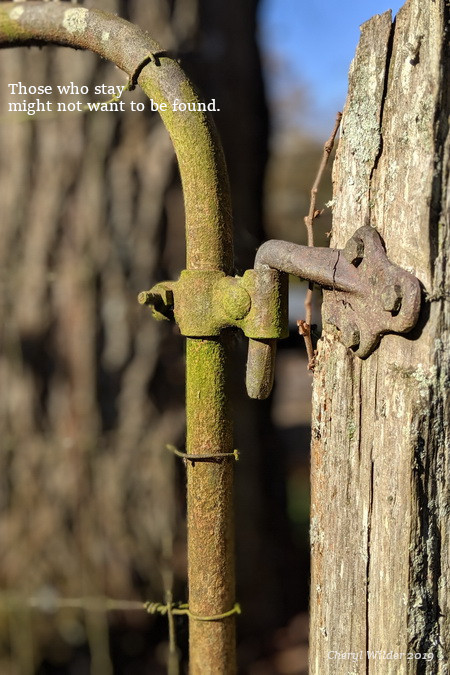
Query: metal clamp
[205, 302]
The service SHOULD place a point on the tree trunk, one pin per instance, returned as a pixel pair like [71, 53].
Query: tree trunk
[380, 470]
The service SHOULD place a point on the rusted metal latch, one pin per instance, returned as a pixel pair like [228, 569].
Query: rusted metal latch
[365, 296]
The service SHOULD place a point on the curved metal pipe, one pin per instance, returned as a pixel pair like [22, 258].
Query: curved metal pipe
[194, 136]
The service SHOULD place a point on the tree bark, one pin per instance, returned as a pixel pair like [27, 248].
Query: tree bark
[380, 436]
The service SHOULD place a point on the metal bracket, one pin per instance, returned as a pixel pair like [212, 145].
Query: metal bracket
[386, 299]
[205, 302]
[365, 296]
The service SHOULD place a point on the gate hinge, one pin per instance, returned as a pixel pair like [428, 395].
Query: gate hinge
[204, 302]
[365, 296]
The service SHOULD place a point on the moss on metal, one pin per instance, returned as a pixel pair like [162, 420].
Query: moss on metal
[210, 516]
[202, 167]
[207, 301]
[10, 29]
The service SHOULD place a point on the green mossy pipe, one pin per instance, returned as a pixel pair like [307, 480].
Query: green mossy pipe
[210, 508]
[209, 246]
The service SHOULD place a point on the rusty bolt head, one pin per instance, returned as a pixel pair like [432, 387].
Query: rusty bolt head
[354, 251]
[350, 335]
[392, 298]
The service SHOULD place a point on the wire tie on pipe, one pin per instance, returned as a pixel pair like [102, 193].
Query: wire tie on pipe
[203, 458]
[155, 57]
[183, 609]
[53, 603]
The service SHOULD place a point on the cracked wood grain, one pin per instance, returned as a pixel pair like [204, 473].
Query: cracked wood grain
[380, 517]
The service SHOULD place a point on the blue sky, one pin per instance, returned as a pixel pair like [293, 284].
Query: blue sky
[313, 43]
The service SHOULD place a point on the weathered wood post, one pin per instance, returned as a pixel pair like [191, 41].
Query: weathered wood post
[380, 448]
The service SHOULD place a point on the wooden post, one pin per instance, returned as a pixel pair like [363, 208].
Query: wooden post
[380, 448]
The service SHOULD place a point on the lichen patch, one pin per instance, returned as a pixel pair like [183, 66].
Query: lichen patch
[16, 13]
[75, 20]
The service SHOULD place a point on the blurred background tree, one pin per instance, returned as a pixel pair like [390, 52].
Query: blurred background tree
[91, 504]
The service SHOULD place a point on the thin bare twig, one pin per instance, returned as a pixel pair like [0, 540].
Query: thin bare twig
[304, 325]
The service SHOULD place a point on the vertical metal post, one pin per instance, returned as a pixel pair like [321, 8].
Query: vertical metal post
[210, 509]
